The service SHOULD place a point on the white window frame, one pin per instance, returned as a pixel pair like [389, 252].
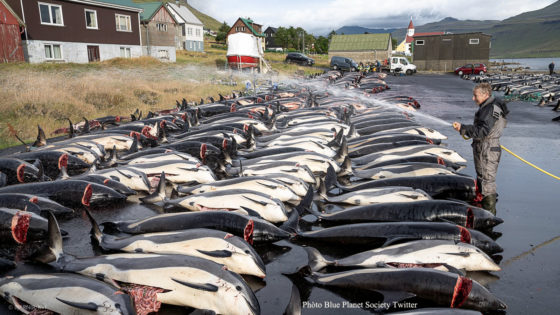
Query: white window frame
[50, 5]
[117, 24]
[189, 31]
[419, 42]
[52, 52]
[474, 41]
[95, 15]
[197, 32]
[126, 52]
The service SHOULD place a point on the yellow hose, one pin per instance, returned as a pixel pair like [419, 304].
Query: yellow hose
[533, 165]
[523, 160]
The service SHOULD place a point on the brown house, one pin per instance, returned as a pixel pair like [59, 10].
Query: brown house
[78, 31]
[158, 31]
[10, 40]
[449, 51]
[247, 25]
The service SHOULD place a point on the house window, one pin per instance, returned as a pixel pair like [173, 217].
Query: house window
[123, 23]
[125, 52]
[163, 54]
[197, 32]
[420, 42]
[184, 30]
[473, 41]
[51, 14]
[91, 19]
[189, 31]
[161, 27]
[53, 52]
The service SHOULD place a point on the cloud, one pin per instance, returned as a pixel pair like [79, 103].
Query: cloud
[320, 17]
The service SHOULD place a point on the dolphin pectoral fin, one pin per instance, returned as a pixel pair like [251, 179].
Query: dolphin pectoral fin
[188, 169]
[251, 212]
[462, 254]
[399, 239]
[216, 253]
[85, 306]
[262, 203]
[267, 186]
[413, 197]
[198, 286]
[395, 296]
[123, 174]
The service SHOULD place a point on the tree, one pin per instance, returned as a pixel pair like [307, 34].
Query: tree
[394, 43]
[282, 37]
[222, 32]
[331, 34]
[322, 45]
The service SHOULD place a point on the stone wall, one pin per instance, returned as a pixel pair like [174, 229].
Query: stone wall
[75, 52]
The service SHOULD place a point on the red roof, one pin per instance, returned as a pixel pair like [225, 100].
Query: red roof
[409, 38]
[410, 24]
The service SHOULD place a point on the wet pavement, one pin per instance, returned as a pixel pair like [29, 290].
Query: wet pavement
[528, 202]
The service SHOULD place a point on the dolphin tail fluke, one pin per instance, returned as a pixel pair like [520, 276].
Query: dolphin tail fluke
[316, 260]
[96, 233]
[330, 179]
[159, 194]
[133, 146]
[346, 167]
[70, 128]
[86, 125]
[41, 138]
[291, 225]
[52, 251]
[342, 152]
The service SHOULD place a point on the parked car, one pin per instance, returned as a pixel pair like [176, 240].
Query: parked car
[343, 63]
[477, 68]
[300, 59]
[401, 64]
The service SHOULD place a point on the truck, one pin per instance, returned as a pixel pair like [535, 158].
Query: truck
[402, 65]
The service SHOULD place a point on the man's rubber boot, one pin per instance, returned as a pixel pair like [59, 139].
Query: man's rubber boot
[489, 203]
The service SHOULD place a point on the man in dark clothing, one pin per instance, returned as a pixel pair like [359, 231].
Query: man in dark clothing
[551, 68]
[489, 123]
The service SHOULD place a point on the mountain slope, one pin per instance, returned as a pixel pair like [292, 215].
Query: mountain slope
[362, 30]
[530, 34]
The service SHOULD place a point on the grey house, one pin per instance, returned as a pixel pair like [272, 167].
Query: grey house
[190, 33]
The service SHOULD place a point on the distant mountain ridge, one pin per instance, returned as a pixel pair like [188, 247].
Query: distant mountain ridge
[361, 30]
[530, 34]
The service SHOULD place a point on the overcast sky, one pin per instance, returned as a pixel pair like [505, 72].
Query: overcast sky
[320, 17]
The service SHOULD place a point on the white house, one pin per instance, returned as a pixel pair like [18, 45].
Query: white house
[190, 34]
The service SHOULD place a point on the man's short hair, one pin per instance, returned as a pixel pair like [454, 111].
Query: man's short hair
[484, 88]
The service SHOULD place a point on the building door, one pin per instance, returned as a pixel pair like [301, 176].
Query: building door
[93, 53]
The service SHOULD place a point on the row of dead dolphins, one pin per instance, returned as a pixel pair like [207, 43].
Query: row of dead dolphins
[243, 171]
[542, 89]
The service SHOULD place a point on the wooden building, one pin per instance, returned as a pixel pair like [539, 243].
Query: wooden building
[270, 37]
[449, 51]
[248, 26]
[361, 47]
[11, 49]
[190, 30]
[158, 31]
[78, 31]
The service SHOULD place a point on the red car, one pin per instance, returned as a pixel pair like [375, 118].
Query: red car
[477, 68]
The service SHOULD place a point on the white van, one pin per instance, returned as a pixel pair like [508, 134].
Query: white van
[403, 65]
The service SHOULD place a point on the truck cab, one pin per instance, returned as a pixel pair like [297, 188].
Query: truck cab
[401, 64]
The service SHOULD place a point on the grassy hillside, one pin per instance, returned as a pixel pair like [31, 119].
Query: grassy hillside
[530, 34]
[208, 21]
